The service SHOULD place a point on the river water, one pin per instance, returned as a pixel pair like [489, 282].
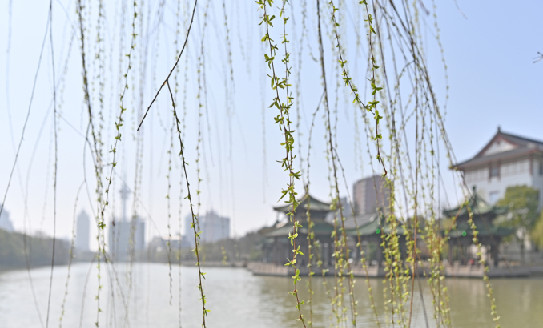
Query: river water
[144, 295]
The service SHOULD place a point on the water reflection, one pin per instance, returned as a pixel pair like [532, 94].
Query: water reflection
[144, 296]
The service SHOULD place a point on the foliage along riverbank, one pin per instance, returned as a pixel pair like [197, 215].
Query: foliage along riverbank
[18, 250]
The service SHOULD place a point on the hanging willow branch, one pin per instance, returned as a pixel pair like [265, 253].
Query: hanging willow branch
[194, 223]
[174, 65]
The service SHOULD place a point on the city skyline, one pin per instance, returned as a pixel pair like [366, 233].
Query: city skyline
[490, 84]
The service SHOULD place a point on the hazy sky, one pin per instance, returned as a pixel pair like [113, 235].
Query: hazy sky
[493, 81]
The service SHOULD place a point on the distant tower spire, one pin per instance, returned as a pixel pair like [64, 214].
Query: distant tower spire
[125, 192]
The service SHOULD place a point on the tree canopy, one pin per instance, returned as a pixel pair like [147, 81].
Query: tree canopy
[522, 203]
[537, 232]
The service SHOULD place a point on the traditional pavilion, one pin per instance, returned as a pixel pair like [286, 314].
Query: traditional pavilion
[461, 234]
[371, 233]
[277, 248]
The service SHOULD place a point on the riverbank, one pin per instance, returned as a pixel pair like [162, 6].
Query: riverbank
[454, 271]
[20, 251]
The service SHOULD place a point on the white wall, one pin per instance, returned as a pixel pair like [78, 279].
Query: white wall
[511, 174]
[537, 179]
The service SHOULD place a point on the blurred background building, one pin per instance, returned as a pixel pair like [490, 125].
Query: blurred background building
[126, 238]
[5, 222]
[369, 194]
[213, 227]
[82, 232]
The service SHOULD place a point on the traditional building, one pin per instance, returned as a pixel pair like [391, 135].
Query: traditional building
[369, 233]
[277, 247]
[506, 160]
[460, 233]
[372, 236]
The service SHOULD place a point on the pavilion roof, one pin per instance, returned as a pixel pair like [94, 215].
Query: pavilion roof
[516, 147]
[479, 208]
[477, 205]
[319, 229]
[376, 226]
[463, 229]
[305, 202]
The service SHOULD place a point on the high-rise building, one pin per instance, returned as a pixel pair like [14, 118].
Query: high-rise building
[137, 233]
[213, 227]
[82, 232]
[370, 194]
[5, 222]
[126, 238]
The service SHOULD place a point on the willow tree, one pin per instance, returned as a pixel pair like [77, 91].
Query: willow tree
[355, 72]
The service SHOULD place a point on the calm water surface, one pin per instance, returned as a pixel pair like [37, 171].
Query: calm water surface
[144, 296]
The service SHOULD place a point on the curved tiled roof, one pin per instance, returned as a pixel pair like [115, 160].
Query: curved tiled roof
[523, 147]
[314, 204]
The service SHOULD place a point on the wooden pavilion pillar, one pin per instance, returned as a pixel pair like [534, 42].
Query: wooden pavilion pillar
[379, 254]
[494, 252]
[450, 252]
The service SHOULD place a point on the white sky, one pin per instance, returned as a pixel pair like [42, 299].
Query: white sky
[489, 52]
